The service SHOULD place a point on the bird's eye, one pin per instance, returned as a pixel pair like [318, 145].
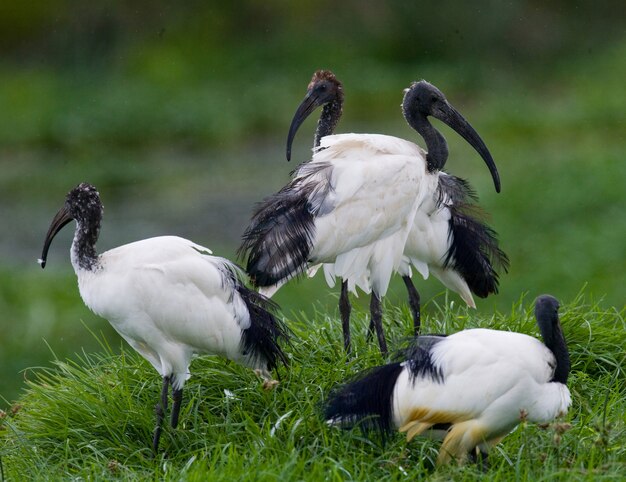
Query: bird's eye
[322, 87]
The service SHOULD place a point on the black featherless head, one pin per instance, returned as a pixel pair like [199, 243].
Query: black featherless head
[83, 205]
[323, 90]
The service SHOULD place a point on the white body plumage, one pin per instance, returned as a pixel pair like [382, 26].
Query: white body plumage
[365, 190]
[375, 184]
[169, 299]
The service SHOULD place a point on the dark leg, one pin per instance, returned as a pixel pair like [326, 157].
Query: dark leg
[479, 458]
[177, 396]
[160, 409]
[344, 309]
[377, 320]
[414, 304]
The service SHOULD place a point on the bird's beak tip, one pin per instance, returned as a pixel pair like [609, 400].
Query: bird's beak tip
[41, 262]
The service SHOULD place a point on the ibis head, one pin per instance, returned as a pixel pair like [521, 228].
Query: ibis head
[83, 205]
[547, 314]
[323, 89]
[423, 99]
[547, 310]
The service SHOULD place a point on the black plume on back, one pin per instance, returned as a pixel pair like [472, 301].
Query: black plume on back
[280, 236]
[261, 338]
[367, 400]
[420, 360]
[474, 252]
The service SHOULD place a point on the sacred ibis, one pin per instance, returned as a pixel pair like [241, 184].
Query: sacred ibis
[469, 389]
[353, 204]
[324, 90]
[447, 238]
[169, 298]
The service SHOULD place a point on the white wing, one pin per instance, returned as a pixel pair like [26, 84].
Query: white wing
[375, 185]
[513, 372]
[163, 289]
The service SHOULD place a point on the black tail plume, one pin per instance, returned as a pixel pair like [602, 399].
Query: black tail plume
[367, 400]
[474, 251]
[261, 339]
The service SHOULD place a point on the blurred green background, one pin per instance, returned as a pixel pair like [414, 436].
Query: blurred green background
[178, 114]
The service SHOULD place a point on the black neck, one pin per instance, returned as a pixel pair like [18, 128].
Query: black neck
[436, 144]
[554, 340]
[84, 244]
[329, 118]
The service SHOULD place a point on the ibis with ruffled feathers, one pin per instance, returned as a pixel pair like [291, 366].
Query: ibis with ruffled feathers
[470, 388]
[169, 298]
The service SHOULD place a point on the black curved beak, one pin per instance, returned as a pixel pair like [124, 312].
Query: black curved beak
[456, 121]
[308, 105]
[60, 219]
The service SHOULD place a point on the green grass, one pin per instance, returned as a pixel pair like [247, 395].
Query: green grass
[91, 416]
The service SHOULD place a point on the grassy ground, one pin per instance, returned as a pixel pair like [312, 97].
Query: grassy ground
[92, 416]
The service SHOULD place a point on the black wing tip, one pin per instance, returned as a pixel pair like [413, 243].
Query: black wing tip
[475, 252]
[279, 239]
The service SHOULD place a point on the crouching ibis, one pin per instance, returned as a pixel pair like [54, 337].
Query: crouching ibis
[469, 389]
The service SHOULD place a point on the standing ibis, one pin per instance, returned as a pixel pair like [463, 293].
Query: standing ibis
[169, 299]
[353, 205]
[470, 388]
[447, 238]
